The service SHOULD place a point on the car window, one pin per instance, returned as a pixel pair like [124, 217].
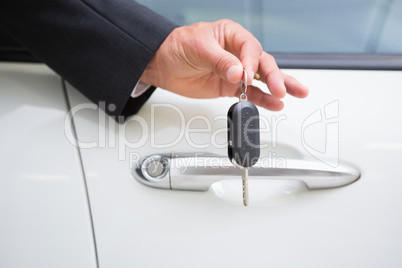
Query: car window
[309, 26]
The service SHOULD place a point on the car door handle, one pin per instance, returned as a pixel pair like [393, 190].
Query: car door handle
[198, 172]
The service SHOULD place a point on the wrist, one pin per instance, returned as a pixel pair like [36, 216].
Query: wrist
[157, 71]
[149, 75]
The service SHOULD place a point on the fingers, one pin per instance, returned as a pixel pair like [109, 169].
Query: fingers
[222, 56]
[226, 65]
[294, 87]
[224, 48]
[278, 83]
[272, 76]
[264, 100]
[241, 42]
[250, 56]
[254, 95]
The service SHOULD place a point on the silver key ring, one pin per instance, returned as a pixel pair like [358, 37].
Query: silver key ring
[243, 96]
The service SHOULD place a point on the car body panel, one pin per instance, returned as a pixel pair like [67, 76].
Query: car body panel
[45, 218]
[352, 116]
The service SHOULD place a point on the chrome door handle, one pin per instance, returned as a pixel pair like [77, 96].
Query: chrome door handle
[199, 172]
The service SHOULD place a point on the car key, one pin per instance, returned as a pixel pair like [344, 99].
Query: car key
[243, 135]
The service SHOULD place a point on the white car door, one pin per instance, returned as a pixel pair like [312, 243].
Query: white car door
[45, 218]
[350, 116]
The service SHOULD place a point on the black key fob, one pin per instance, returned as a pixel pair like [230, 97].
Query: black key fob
[243, 134]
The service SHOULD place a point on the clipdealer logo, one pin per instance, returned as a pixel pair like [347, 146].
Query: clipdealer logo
[319, 131]
[148, 132]
[326, 118]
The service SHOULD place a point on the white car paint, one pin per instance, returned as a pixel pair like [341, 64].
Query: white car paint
[286, 225]
[45, 219]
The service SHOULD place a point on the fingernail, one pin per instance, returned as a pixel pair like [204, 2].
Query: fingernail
[232, 71]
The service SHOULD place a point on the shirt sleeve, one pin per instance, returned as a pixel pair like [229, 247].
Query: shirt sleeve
[139, 88]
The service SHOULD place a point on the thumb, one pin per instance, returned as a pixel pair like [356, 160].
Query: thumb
[226, 65]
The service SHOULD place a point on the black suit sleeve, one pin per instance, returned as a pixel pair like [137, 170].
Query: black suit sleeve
[101, 47]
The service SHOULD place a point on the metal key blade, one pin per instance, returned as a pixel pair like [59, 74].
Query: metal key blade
[244, 177]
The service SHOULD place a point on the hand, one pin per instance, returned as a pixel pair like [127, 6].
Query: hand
[206, 60]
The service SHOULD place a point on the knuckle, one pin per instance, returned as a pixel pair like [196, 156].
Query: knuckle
[225, 21]
[220, 62]
[270, 58]
[259, 48]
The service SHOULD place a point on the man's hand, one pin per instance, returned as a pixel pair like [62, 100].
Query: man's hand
[206, 60]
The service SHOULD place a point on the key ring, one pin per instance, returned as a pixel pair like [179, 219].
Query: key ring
[243, 96]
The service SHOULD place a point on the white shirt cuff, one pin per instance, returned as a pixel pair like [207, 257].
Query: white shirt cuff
[139, 88]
